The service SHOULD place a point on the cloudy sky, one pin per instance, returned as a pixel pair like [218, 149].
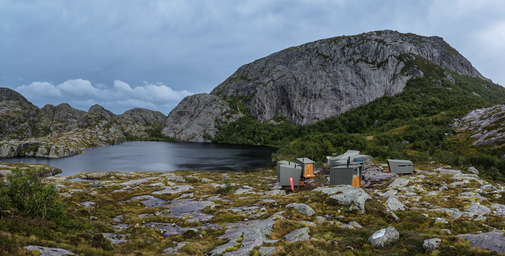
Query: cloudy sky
[123, 54]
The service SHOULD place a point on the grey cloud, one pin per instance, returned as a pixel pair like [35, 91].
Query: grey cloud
[118, 98]
[195, 45]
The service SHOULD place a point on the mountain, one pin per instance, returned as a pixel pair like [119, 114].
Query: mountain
[58, 131]
[317, 80]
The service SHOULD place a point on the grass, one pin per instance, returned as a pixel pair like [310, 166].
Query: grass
[83, 236]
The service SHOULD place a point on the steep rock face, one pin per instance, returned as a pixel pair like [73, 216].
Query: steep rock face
[325, 78]
[197, 115]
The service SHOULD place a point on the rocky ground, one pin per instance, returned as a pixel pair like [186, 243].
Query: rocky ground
[437, 210]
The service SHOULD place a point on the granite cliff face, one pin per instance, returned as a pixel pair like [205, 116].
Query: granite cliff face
[325, 78]
[321, 79]
[196, 117]
[59, 131]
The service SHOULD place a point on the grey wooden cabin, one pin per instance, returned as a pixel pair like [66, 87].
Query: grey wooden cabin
[343, 175]
[400, 166]
[279, 168]
[288, 170]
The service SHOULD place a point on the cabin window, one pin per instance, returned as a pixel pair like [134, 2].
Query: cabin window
[402, 165]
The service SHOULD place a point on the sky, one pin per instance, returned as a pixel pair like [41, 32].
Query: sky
[124, 54]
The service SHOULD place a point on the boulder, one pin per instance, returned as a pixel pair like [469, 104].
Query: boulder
[349, 196]
[398, 183]
[384, 237]
[301, 234]
[473, 170]
[431, 244]
[394, 204]
[494, 240]
[49, 251]
[302, 208]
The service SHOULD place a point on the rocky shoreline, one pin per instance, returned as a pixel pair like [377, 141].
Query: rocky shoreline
[242, 213]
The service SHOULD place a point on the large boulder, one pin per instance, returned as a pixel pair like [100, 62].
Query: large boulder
[347, 195]
[302, 208]
[494, 240]
[384, 237]
[431, 244]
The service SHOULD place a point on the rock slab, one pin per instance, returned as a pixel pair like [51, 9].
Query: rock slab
[384, 237]
[494, 240]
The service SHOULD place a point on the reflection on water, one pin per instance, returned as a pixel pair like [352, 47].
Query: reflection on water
[160, 156]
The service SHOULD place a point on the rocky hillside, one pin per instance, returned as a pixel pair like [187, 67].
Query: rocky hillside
[325, 78]
[58, 131]
[437, 210]
[485, 129]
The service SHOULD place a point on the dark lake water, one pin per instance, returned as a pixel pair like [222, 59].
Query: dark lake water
[159, 156]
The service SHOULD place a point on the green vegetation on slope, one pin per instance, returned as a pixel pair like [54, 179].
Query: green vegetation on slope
[415, 124]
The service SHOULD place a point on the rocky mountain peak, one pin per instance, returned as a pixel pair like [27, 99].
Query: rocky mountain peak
[143, 116]
[325, 78]
[9, 94]
[100, 110]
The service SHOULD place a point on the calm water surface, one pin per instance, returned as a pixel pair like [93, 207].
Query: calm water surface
[159, 156]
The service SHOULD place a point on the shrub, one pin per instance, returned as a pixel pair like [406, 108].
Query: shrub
[26, 193]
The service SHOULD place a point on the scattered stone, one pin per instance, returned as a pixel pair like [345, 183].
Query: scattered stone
[472, 170]
[266, 251]
[355, 224]
[173, 250]
[115, 239]
[471, 196]
[440, 220]
[301, 234]
[275, 193]
[88, 204]
[349, 196]
[398, 183]
[215, 185]
[494, 240]
[254, 233]
[394, 205]
[431, 244]
[320, 219]
[302, 208]
[446, 230]
[390, 193]
[96, 184]
[308, 223]
[478, 209]
[117, 218]
[173, 190]
[148, 201]
[384, 237]
[48, 251]
[93, 218]
[243, 190]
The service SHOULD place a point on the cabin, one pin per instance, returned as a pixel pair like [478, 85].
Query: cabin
[308, 167]
[346, 175]
[353, 156]
[290, 170]
[279, 168]
[400, 166]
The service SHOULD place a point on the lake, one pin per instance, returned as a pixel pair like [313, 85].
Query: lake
[159, 156]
